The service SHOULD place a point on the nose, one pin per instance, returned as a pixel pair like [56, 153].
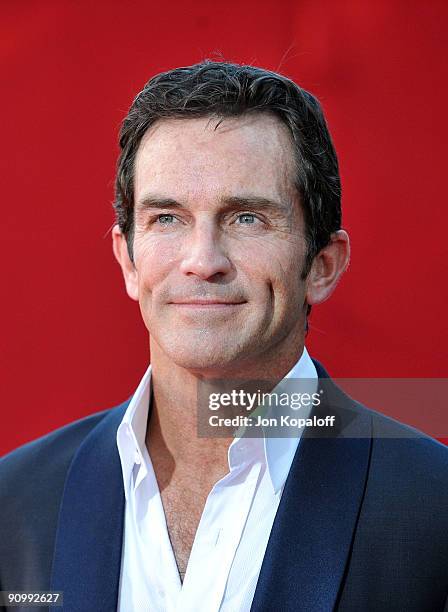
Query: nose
[203, 253]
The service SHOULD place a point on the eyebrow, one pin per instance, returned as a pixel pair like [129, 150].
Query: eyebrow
[154, 201]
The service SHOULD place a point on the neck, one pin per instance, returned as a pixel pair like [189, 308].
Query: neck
[172, 432]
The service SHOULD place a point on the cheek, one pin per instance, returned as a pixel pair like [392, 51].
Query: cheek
[280, 263]
[287, 286]
[154, 259]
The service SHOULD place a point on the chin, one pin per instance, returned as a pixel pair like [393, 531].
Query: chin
[193, 359]
[201, 354]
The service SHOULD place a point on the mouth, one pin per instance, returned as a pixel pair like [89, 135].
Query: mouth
[207, 304]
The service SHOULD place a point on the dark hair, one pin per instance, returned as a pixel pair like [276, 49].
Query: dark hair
[227, 90]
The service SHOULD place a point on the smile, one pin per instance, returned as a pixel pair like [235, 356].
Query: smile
[207, 305]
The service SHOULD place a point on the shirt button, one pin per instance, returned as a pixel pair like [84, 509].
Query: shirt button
[137, 458]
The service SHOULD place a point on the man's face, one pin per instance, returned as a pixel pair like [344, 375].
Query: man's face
[217, 219]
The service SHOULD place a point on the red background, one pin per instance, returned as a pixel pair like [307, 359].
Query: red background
[73, 343]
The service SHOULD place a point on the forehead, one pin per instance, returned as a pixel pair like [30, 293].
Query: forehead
[206, 157]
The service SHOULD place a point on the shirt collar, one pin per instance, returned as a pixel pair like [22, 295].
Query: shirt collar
[277, 453]
[131, 433]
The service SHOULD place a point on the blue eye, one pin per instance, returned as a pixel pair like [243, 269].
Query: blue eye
[249, 218]
[163, 219]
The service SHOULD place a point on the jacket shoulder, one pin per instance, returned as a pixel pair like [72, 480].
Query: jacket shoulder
[419, 460]
[408, 449]
[32, 480]
[423, 446]
[62, 439]
[405, 449]
[43, 463]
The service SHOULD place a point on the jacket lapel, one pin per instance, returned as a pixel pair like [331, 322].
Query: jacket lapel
[312, 534]
[87, 558]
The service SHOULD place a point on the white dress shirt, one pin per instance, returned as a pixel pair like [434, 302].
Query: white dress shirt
[233, 532]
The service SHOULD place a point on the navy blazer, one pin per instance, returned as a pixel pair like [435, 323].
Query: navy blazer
[362, 524]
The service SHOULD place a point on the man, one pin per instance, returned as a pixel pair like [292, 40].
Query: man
[229, 231]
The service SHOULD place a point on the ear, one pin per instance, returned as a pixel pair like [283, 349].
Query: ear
[327, 268]
[121, 253]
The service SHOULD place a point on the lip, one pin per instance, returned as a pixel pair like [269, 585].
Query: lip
[207, 304]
